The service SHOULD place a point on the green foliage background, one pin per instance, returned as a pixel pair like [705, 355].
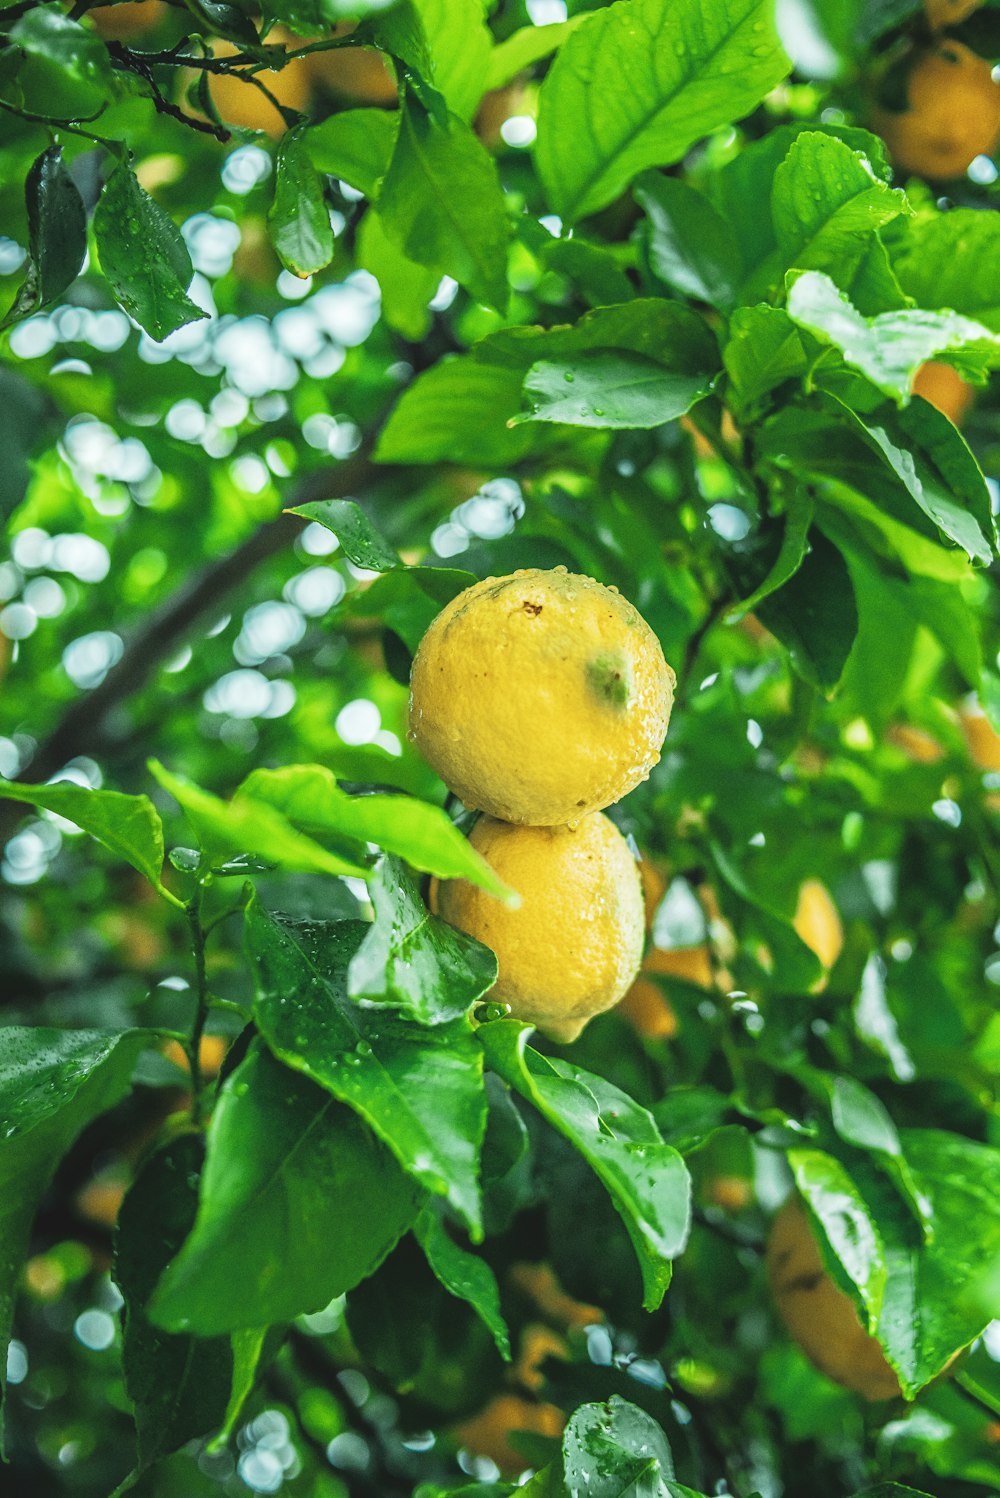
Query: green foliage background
[269, 400]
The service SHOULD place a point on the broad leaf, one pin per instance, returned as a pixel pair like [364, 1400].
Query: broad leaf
[178, 1385]
[420, 1088]
[315, 1206]
[129, 825]
[615, 1449]
[814, 614]
[764, 350]
[890, 348]
[690, 246]
[310, 798]
[361, 541]
[839, 1208]
[639, 83]
[827, 203]
[355, 145]
[610, 390]
[406, 287]
[861, 1119]
[525, 47]
[460, 44]
[57, 235]
[441, 204]
[952, 260]
[414, 962]
[143, 256]
[647, 1179]
[53, 1083]
[299, 219]
[457, 412]
[783, 562]
[408, 599]
[464, 1275]
[672, 335]
[247, 826]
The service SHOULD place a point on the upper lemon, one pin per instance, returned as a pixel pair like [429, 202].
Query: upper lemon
[953, 114]
[573, 946]
[540, 697]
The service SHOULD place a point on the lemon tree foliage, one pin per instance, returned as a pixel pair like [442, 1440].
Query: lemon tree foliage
[315, 314]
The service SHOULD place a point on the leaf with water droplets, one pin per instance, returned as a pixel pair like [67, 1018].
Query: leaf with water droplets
[129, 825]
[52, 1084]
[647, 1179]
[143, 256]
[615, 1449]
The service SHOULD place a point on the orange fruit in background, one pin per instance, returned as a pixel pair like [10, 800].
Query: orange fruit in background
[916, 743]
[649, 1011]
[692, 964]
[241, 103]
[945, 389]
[211, 1054]
[820, 1316]
[981, 737]
[538, 1342]
[817, 922]
[953, 114]
[488, 1432]
[361, 75]
[122, 23]
[942, 13]
[538, 1284]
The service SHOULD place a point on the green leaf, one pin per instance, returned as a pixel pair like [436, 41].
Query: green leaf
[143, 256]
[57, 235]
[840, 1210]
[950, 260]
[892, 1490]
[408, 599]
[523, 48]
[298, 218]
[691, 247]
[247, 826]
[876, 1023]
[310, 798]
[610, 390]
[129, 825]
[646, 1179]
[782, 564]
[53, 1083]
[764, 350]
[315, 1205]
[412, 961]
[616, 1450]
[355, 145]
[827, 202]
[48, 33]
[821, 36]
[457, 412]
[177, 1384]
[890, 348]
[596, 271]
[460, 45]
[442, 205]
[861, 1119]
[639, 83]
[248, 1350]
[407, 288]
[361, 541]
[420, 1088]
[464, 1275]
[674, 336]
[815, 615]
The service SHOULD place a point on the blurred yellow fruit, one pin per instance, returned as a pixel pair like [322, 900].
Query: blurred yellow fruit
[540, 697]
[573, 946]
[359, 75]
[981, 737]
[916, 743]
[817, 922]
[101, 1199]
[732, 1193]
[819, 1316]
[122, 23]
[539, 1285]
[942, 13]
[488, 1432]
[692, 964]
[241, 103]
[944, 388]
[953, 114]
[538, 1342]
[211, 1054]
[649, 1011]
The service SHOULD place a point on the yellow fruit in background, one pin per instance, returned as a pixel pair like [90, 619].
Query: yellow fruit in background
[981, 737]
[819, 1316]
[538, 1342]
[944, 388]
[649, 1011]
[540, 697]
[538, 1284]
[121, 23]
[361, 75]
[817, 922]
[573, 946]
[916, 743]
[211, 1054]
[242, 103]
[692, 964]
[488, 1432]
[953, 114]
[941, 13]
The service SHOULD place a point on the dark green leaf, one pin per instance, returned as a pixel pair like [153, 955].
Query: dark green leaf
[298, 219]
[409, 598]
[355, 145]
[457, 412]
[764, 350]
[52, 1084]
[315, 1206]
[783, 564]
[647, 1180]
[616, 1450]
[178, 1385]
[464, 1275]
[57, 235]
[441, 204]
[861, 1119]
[950, 260]
[420, 1088]
[362, 542]
[673, 335]
[815, 615]
[414, 962]
[47, 32]
[639, 83]
[610, 390]
[840, 1209]
[129, 825]
[143, 256]
[691, 247]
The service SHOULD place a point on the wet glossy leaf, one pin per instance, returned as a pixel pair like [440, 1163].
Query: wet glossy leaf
[315, 1206]
[362, 542]
[129, 825]
[610, 390]
[840, 1209]
[57, 235]
[691, 247]
[143, 256]
[950, 260]
[814, 614]
[647, 1180]
[615, 1449]
[826, 204]
[419, 1088]
[299, 219]
[355, 145]
[457, 412]
[641, 82]
[463, 1274]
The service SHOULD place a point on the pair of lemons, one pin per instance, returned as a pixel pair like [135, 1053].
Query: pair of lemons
[541, 698]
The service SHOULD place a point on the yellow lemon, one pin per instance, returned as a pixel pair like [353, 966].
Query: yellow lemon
[944, 388]
[240, 102]
[953, 114]
[817, 922]
[819, 1316]
[122, 23]
[573, 946]
[540, 697]
[361, 75]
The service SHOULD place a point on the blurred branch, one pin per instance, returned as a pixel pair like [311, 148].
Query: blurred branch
[83, 727]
